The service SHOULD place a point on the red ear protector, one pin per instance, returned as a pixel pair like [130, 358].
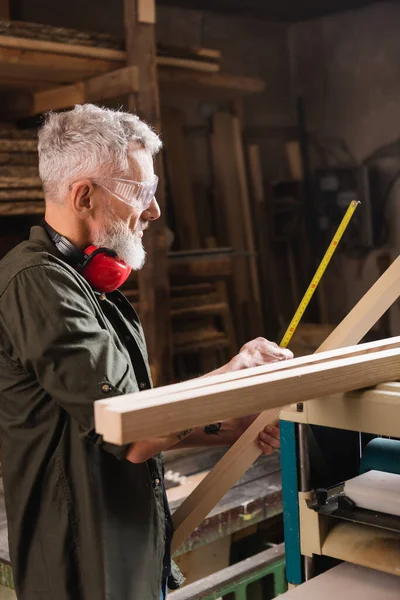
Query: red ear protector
[101, 267]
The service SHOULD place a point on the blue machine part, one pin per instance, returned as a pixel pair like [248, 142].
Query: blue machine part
[290, 501]
[381, 454]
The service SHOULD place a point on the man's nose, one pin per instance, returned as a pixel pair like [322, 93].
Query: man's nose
[153, 212]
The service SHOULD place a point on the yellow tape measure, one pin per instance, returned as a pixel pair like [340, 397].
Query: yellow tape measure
[318, 274]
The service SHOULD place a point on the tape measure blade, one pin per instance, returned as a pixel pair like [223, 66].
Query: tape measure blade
[319, 274]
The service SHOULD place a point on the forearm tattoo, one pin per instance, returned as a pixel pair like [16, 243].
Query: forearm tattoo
[212, 429]
[183, 434]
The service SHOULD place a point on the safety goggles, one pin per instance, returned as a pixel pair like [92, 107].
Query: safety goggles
[138, 194]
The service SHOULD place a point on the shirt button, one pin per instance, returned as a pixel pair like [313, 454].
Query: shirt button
[106, 388]
[102, 297]
[143, 385]
[157, 482]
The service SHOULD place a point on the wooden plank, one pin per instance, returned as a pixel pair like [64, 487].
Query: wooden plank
[212, 83]
[5, 10]
[147, 11]
[228, 208]
[8, 209]
[243, 453]
[24, 43]
[108, 85]
[180, 185]
[18, 170]
[267, 266]
[204, 54]
[185, 63]
[19, 182]
[18, 145]
[153, 278]
[118, 57]
[248, 227]
[364, 545]
[16, 194]
[57, 98]
[165, 414]
[237, 376]
[347, 582]
[16, 63]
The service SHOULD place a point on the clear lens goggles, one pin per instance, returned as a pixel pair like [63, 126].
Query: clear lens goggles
[138, 194]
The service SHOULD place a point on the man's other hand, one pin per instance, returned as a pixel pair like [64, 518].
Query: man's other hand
[268, 440]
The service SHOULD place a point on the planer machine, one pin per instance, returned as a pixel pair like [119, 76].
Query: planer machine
[341, 495]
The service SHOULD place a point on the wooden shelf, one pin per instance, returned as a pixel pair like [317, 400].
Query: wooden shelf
[29, 64]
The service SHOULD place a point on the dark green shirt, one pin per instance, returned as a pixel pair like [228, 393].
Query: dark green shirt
[84, 523]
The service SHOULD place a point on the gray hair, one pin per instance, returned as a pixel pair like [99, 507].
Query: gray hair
[88, 142]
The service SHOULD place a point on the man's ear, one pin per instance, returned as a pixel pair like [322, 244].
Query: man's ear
[81, 198]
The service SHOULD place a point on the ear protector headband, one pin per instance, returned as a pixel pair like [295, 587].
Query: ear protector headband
[101, 267]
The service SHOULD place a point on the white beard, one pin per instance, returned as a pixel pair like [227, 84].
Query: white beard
[128, 245]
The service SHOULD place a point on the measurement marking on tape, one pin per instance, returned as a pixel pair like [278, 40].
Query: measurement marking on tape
[318, 274]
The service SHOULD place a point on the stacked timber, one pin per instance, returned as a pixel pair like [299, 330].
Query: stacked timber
[201, 59]
[20, 187]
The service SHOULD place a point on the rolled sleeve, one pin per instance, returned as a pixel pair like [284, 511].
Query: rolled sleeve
[56, 334]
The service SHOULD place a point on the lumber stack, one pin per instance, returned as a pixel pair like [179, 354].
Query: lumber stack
[198, 59]
[20, 187]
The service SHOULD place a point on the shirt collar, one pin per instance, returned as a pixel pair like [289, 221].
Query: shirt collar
[40, 236]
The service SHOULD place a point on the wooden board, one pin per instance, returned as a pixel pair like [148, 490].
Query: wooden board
[230, 219]
[102, 87]
[21, 208]
[4, 10]
[214, 84]
[21, 194]
[267, 266]
[180, 185]
[7, 145]
[185, 63]
[364, 545]
[243, 453]
[196, 385]
[347, 582]
[166, 414]
[248, 226]
[24, 43]
[19, 182]
[147, 11]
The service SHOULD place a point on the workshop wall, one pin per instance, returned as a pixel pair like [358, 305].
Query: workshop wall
[346, 68]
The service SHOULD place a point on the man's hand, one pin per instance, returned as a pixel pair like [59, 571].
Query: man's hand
[259, 352]
[268, 440]
[256, 353]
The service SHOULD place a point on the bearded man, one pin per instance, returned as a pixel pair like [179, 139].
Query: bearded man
[87, 520]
